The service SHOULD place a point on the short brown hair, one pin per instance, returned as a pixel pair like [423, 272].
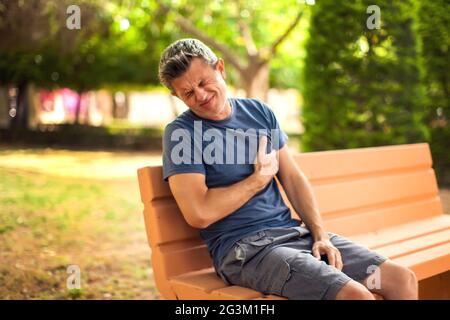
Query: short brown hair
[177, 57]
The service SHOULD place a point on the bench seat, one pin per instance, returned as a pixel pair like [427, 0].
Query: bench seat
[410, 244]
[385, 198]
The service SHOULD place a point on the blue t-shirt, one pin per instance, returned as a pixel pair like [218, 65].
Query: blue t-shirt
[224, 151]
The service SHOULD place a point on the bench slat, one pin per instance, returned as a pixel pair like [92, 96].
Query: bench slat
[152, 185]
[207, 285]
[376, 219]
[366, 193]
[419, 243]
[197, 285]
[205, 279]
[236, 293]
[429, 262]
[180, 262]
[329, 165]
[167, 265]
[187, 293]
[400, 233]
[271, 297]
[171, 224]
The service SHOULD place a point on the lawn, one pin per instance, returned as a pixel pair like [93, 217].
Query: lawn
[60, 208]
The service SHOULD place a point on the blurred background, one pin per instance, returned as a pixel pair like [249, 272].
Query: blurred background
[81, 110]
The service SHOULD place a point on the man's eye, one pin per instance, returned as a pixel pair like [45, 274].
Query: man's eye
[188, 94]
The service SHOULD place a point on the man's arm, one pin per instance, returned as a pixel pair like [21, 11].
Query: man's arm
[299, 192]
[202, 206]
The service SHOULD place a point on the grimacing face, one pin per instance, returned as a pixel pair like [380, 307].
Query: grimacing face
[203, 89]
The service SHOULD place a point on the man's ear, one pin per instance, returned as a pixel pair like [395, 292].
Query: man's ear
[221, 68]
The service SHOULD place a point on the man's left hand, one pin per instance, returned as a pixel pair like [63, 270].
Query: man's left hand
[322, 247]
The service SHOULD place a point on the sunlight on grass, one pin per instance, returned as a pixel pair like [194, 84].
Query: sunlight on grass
[78, 164]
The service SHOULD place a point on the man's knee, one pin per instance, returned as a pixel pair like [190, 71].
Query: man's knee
[398, 282]
[354, 291]
[407, 281]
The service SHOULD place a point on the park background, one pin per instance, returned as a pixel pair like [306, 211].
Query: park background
[81, 110]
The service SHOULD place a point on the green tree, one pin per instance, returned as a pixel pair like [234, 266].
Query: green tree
[361, 86]
[115, 46]
[248, 34]
[37, 47]
[433, 23]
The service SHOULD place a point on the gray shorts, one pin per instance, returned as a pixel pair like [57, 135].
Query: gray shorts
[280, 261]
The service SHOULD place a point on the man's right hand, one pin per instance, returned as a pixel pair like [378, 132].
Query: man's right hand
[202, 206]
[266, 164]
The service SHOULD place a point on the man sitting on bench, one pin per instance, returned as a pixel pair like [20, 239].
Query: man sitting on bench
[220, 159]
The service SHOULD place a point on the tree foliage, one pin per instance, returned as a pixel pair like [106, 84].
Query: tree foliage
[115, 44]
[249, 35]
[382, 86]
[433, 31]
[361, 86]
[120, 42]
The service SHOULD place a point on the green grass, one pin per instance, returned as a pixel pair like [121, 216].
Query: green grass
[48, 222]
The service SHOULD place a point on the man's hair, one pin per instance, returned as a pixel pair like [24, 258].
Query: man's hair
[177, 57]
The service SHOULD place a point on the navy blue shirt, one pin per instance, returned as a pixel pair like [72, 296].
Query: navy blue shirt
[224, 151]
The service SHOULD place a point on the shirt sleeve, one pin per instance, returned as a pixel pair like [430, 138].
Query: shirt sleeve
[278, 136]
[180, 152]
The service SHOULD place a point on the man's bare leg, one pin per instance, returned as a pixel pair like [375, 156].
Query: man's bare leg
[354, 291]
[396, 282]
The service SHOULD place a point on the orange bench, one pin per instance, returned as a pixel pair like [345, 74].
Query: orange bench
[385, 198]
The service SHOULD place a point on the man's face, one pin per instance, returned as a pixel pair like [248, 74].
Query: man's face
[203, 89]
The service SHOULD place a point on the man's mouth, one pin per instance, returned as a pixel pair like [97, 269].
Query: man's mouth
[204, 104]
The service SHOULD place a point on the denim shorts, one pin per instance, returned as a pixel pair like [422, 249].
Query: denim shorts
[279, 261]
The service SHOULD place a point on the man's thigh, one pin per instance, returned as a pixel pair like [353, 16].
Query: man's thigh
[288, 268]
[295, 274]
[359, 261]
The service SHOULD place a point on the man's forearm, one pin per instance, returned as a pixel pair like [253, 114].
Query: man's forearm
[301, 196]
[221, 202]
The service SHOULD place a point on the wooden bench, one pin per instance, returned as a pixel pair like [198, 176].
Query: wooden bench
[385, 198]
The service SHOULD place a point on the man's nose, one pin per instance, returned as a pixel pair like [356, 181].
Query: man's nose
[200, 94]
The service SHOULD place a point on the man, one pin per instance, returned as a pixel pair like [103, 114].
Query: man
[220, 159]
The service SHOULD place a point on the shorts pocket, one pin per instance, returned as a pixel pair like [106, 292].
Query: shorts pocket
[282, 277]
[271, 276]
[261, 242]
[258, 240]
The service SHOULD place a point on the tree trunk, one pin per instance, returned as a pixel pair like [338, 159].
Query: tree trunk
[126, 110]
[4, 107]
[114, 106]
[78, 107]
[87, 110]
[257, 82]
[20, 120]
[33, 104]
[121, 107]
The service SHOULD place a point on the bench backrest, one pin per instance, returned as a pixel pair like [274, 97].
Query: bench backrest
[358, 191]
